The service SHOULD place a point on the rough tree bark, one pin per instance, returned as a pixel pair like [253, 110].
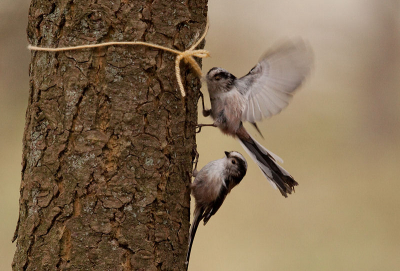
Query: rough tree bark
[108, 141]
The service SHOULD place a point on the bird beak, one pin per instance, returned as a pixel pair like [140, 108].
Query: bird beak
[227, 153]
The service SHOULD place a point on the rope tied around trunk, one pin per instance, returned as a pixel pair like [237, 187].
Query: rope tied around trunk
[186, 55]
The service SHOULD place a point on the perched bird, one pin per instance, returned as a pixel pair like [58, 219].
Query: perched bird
[262, 93]
[211, 186]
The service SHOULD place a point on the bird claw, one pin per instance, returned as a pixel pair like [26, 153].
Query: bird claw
[195, 161]
[206, 112]
[198, 129]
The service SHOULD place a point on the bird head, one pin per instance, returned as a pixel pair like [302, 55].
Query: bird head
[236, 164]
[219, 80]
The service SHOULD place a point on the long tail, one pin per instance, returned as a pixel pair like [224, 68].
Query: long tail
[198, 216]
[266, 160]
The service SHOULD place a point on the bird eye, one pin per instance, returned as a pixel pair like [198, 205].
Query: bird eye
[217, 77]
[233, 161]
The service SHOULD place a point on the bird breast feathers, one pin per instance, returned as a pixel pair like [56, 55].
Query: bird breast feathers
[212, 177]
[233, 104]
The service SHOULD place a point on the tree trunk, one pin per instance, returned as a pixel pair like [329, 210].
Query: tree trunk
[108, 141]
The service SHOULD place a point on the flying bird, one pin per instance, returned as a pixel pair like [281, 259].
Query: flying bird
[211, 186]
[262, 93]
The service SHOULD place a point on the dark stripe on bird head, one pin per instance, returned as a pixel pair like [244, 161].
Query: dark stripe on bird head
[242, 167]
[213, 69]
[222, 74]
[241, 164]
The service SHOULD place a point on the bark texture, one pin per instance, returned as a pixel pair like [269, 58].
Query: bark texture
[108, 141]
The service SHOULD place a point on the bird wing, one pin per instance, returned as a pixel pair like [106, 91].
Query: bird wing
[214, 207]
[270, 85]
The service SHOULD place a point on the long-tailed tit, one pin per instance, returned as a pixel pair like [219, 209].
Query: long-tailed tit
[211, 186]
[262, 93]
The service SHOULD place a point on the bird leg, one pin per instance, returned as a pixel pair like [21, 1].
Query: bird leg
[202, 125]
[206, 112]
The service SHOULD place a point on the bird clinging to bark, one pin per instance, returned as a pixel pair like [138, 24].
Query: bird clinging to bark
[211, 186]
[262, 93]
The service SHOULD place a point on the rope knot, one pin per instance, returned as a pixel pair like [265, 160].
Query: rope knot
[187, 56]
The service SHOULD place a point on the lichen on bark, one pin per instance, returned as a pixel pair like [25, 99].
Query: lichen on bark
[108, 141]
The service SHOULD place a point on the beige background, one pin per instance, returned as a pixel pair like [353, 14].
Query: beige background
[340, 138]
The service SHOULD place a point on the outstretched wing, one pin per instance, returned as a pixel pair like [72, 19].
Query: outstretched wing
[270, 85]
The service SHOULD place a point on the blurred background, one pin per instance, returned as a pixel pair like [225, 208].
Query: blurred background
[340, 138]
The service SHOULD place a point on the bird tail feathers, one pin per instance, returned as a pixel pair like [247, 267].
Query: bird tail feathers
[267, 161]
[198, 216]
